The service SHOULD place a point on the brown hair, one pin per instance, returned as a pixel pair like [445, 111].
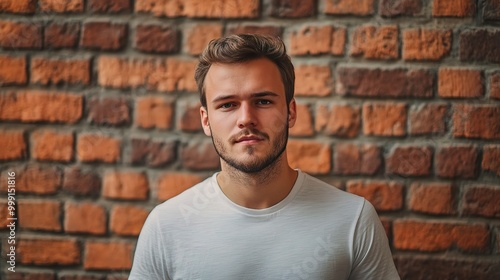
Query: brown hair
[241, 48]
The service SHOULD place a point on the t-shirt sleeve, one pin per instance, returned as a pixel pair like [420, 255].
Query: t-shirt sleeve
[149, 258]
[372, 255]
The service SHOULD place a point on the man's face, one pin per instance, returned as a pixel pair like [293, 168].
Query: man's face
[247, 115]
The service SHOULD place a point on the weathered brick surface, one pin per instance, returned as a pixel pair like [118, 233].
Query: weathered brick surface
[304, 124]
[20, 35]
[42, 215]
[152, 153]
[104, 35]
[200, 8]
[310, 157]
[200, 35]
[393, 8]
[156, 39]
[188, 116]
[491, 159]
[65, 6]
[270, 30]
[107, 256]
[98, 148]
[472, 121]
[479, 45]
[154, 112]
[385, 196]
[495, 86]
[199, 156]
[125, 185]
[432, 198]
[313, 80]
[453, 8]
[13, 70]
[18, 6]
[50, 145]
[349, 7]
[13, 145]
[61, 35]
[173, 183]
[35, 179]
[30, 275]
[127, 220]
[48, 251]
[427, 119]
[293, 8]
[426, 44]
[316, 40]
[110, 6]
[356, 159]
[460, 83]
[482, 200]
[58, 71]
[457, 162]
[491, 10]
[84, 217]
[81, 182]
[109, 111]
[338, 120]
[409, 161]
[375, 42]
[384, 119]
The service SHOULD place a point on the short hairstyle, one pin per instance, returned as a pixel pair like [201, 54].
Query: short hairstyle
[241, 48]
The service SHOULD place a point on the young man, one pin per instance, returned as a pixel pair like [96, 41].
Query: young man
[258, 218]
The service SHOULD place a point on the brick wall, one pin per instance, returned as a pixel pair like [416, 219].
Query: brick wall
[398, 100]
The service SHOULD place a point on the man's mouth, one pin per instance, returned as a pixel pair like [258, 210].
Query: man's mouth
[249, 139]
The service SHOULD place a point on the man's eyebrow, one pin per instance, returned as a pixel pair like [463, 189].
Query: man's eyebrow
[253, 95]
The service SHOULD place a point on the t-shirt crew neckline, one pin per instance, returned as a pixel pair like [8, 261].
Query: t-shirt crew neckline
[260, 212]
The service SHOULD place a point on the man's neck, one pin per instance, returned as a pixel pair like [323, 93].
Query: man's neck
[258, 190]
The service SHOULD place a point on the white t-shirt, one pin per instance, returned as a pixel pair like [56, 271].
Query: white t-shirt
[316, 232]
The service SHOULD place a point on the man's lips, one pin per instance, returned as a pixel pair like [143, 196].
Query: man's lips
[249, 139]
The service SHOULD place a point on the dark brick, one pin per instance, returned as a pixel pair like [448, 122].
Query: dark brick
[189, 119]
[356, 159]
[152, 153]
[62, 35]
[491, 159]
[109, 6]
[104, 35]
[30, 276]
[293, 8]
[393, 8]
[495, 85]
[156, 39]
[20, 35]
[480, 45]
[476, 121]
[113, 111]
[409, 161]
[482, 200]
[457, 162]
[80, 277]
[491, 10]
[270, 30]
[81, 183]
[384, 83]
[199, 156]
[427, 119]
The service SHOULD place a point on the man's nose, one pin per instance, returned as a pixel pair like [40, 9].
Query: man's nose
[246, 116]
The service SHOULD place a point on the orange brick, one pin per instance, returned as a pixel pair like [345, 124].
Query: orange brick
[63, 6]
[313, 80]
[385, 196]
[13, 145]
[384, 119]
[349, 7]
[125, 185]
[491, 159]
[12, 70]
[339, 120]
[200, 8]
[85, 218]
[375, 42]
[393, 8]
[38, 251]
[18, 6]
[200, 35]
[482, 200]
[460, 83]
[351, 158]
[20, 35]
[432, 198]
[40, 214]
[318, 40]
[160, 8]
[430, 236]
[35, 179]
[189, 119]
[310, 157]
[453, 8]
[409, 161]
[476, 121]
[52, 146]
[98, 148]
[60, 71]
[153, 112]
[173, 183]
[270, 30]
[127, 220]
[40, 106]
[426, 44]
[428, 118]
[107, 256]
[303, 126]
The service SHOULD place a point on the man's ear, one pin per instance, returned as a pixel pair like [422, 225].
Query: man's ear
[205, 123]
[292, 113]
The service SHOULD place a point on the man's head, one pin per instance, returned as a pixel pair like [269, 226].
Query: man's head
[242, 48]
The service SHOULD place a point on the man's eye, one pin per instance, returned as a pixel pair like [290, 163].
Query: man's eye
[226, 105]
[264, 102]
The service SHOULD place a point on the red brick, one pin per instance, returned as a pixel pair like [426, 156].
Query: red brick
[4, 214]
[269, 30]
[127, 220]
[38, 251]
[375, 42]
[491, 10]
[47, 71]
[457, 162]
[318, 40]
[18, 6]
[35, 179]
[310, 157]
[13, 145]
[81, 182]
[126, 185]
[87, 218]
[20, 35]
[453, 8]
[200, 35]
[189, 113]
[384, 119]
[495, 86]
[293, 8]
[482, 200]
[156, 39]
[104, 35]
[393, 8]
[432, 198]
[152, 153]
[40, 106]
[313, 80]
[154, 112]
[200, 8]
[479, 45]
[304, 124]
[199, 156]
[428, 118]
[426, 44]
[339, 120]
[349, 7]
[52, 146]
[173, 183]
[61, 35]
[491, 159]
[98, 148]
[109, 111]
[107, 255]
[356, 159]
[409, 161]
[460, 83]
[12, 70]
[63, 6]
[42, 215]
[476, 121]
[110, 6]
[385, 196]
[160, 8]
[365, 82]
